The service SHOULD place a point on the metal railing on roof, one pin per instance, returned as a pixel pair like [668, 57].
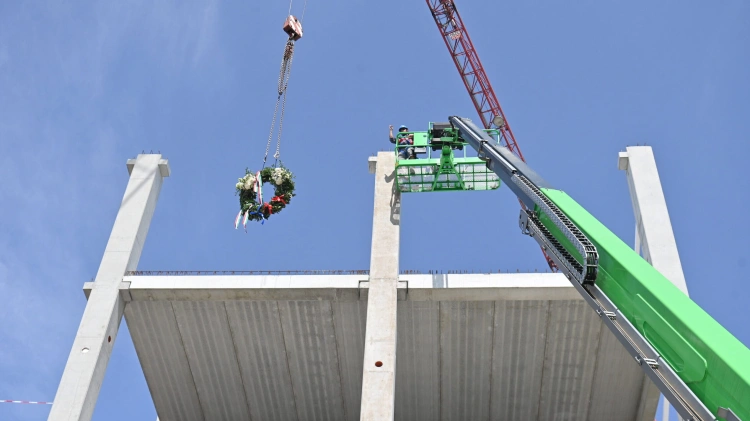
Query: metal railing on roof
[314, 272]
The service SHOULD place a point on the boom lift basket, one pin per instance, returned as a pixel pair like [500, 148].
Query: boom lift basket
[442, 163]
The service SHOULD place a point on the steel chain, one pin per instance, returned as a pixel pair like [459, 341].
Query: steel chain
[283, 102]
[270, 133]
[283, 81]
[286, 64]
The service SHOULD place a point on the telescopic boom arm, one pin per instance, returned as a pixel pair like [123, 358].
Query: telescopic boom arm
[674, 341]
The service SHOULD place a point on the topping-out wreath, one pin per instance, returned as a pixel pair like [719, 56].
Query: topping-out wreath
[250, 190]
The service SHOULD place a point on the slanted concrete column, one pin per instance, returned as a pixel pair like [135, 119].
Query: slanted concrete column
[654, 240]
[379, 374]
[84, 372]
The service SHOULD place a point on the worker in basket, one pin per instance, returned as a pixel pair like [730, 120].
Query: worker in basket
[405, 140]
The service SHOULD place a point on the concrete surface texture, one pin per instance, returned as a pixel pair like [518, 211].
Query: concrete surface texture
[379, 375]
[84, 371]
[654, 236]
[493, 346]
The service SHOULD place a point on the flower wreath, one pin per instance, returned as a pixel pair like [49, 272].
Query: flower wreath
[249, 188]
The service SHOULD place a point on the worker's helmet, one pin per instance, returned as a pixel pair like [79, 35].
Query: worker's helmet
[403, 128]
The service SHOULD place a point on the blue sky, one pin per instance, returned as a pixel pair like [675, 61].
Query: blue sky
[86, 85]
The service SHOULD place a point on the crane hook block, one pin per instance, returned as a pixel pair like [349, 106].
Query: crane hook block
[293, 27]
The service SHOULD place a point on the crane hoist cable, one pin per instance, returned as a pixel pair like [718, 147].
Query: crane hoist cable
[304, 7]
[293, 27]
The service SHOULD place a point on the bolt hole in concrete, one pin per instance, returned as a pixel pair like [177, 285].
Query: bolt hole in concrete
[109, 339]
[84, 350]
[378, 363]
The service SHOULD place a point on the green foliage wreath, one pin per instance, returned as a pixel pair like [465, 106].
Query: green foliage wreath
[283, 182]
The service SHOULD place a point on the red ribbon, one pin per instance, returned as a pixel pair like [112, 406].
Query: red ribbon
[267, 206]
[279, 199]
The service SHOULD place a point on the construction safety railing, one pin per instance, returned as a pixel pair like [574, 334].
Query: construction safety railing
[319, 272]
[421, 144]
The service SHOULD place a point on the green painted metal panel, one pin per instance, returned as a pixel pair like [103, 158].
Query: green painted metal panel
[423, 175]
[711, 361]
[420, 139]
[446, 171]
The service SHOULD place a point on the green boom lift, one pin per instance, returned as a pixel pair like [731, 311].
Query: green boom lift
[701, 368]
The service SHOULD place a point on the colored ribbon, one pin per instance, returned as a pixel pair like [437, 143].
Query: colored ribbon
[26, 402]
[268, 207]
[279, 199]
[244, 220]
[237, 219]
[258, 184]
[258, 212]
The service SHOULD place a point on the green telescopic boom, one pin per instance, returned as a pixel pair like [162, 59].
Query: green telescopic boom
[701, 368]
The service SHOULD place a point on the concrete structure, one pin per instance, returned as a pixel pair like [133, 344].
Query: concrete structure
[92, 347]
[305, 347]
[493, 346]
[654, 238]
[379, 375]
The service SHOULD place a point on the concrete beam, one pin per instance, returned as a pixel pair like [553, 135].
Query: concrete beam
[84, 372]
[654, 240]
[437, 287]
[379, 373]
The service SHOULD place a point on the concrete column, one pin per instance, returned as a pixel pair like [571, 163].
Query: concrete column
[379, 373]
[654, 240]
[84, 372]
[654, 232]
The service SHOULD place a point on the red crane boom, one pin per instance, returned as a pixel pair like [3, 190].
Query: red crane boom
[470, 68]
[472, 73]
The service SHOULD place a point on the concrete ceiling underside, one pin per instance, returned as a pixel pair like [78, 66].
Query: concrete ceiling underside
[526, 352]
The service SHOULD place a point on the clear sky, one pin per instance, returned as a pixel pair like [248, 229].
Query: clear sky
[86, 85]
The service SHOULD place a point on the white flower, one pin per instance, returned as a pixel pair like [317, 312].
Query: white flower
[246, 183]
[249, 182]
[279, 175]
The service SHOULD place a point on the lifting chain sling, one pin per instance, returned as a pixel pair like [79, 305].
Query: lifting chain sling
[283, 83]
[293, 28]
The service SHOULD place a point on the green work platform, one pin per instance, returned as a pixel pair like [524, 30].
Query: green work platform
[442, 163]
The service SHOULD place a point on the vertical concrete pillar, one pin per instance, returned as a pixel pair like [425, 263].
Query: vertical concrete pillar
[654, 235]
[654, 240]
[84, 372]
[379, 373]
